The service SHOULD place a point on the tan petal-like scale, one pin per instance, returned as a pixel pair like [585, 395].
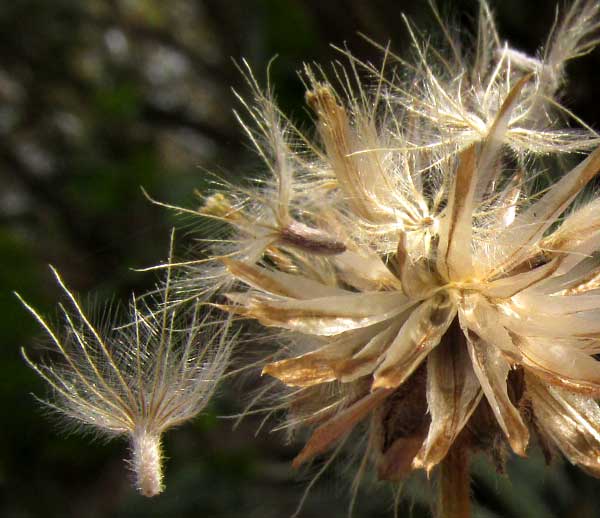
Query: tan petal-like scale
[306, 370]
[579, 274]
[561, 365]
[453, 393]
[454, 249]
[486, 173]
[280, 283]
[492, 369]
[366, 360]
[527, 323]
[418, 336]
[327, 316]
[507, 287]
[587, 248]
[580, 226]
[558, 305]
[571, 420]
[516, 242]
[365, 271]
[323, 364]
[340, 139]
[481, 316]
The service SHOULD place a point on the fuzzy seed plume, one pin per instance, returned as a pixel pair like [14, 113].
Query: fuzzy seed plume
[155, 372]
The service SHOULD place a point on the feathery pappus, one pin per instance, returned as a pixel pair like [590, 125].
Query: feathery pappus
[423, 271]
[136, 381]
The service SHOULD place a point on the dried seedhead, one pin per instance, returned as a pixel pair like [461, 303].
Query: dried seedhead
[450, 301]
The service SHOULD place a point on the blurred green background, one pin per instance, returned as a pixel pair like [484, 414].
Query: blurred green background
[100, 97]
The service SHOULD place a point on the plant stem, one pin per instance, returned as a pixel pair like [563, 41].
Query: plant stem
[454, 499]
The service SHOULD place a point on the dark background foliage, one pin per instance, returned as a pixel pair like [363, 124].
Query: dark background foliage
[100, 97]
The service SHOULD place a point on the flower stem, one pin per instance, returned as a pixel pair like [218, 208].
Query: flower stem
[454, 498]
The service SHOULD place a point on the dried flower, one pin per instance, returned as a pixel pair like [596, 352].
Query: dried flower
[429, 285]
[138, 380]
